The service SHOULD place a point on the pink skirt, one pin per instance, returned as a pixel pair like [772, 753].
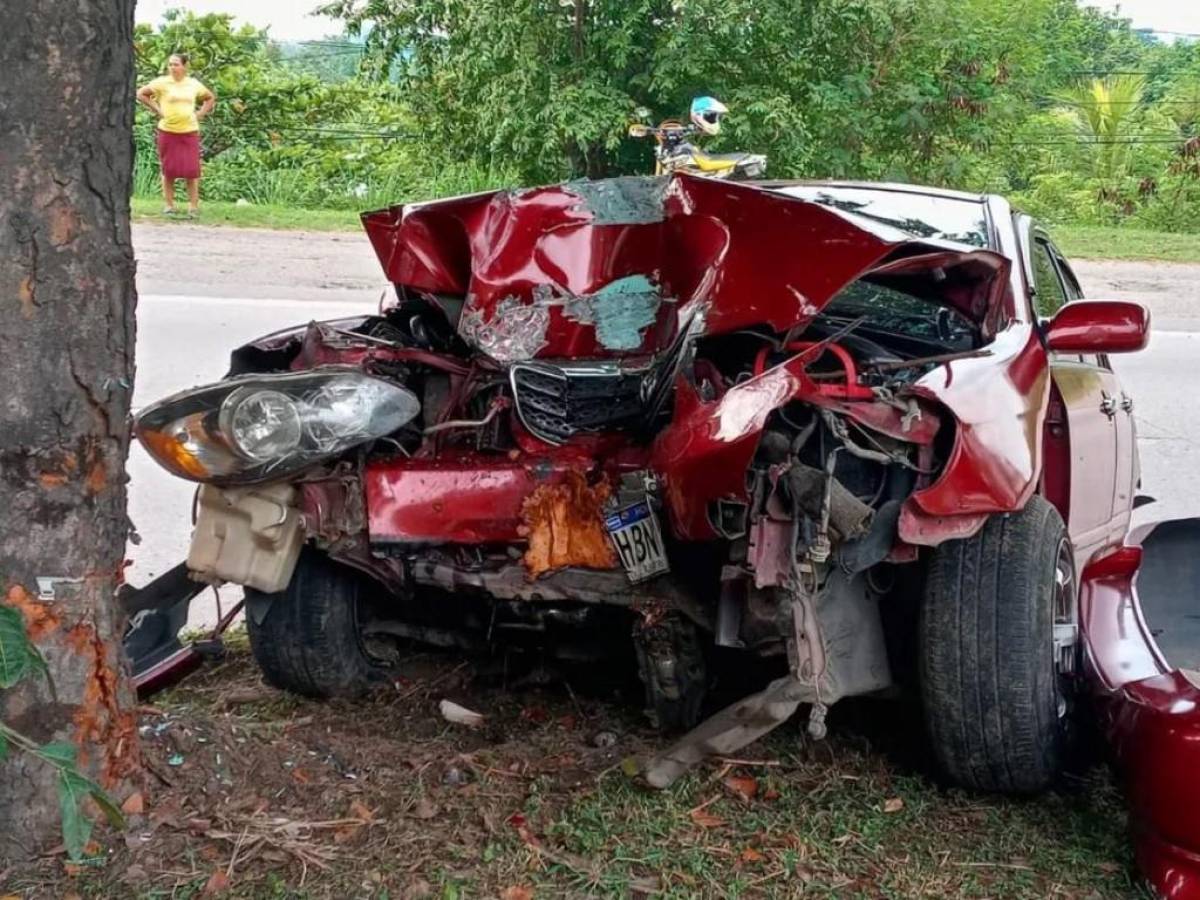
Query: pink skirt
[179, 154]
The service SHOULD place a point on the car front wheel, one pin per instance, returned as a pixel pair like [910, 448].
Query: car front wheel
[999, 632]
[307, 638]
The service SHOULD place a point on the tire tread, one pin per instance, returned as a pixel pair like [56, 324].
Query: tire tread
[308, 640]
[987, 667]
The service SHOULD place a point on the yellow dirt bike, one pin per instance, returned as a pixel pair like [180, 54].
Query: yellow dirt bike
[675, 152]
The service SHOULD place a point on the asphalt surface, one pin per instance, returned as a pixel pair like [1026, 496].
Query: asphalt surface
[206, 290]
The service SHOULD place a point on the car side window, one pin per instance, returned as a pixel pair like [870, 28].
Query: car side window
[1050, 293]
[1074, 291]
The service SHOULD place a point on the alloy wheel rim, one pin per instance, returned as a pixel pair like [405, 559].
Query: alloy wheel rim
[1066, 625]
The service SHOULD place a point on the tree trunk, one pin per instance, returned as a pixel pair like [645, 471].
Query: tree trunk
[66, 340]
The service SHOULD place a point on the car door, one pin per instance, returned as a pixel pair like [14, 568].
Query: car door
[1091, 400]
[1127, 468]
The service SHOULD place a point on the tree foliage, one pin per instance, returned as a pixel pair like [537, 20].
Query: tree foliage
[461, 94]
[18, 659]
[912, 89]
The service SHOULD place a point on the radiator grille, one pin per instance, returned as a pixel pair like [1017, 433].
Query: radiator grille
[558, 402]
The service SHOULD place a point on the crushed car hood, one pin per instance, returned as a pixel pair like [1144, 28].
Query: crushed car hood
[612, 268]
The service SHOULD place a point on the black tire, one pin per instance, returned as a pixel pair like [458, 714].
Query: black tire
[671, 665]
[994, 696]
[309, 640]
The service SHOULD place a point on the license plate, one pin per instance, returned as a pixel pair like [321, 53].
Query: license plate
[635, 534]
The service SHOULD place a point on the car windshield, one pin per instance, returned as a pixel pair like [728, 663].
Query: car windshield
[894, 312]
[921, 215]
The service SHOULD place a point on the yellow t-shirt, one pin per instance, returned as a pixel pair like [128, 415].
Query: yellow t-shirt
[177, 100]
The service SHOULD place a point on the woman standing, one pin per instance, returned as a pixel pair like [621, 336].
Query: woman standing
[172, 98]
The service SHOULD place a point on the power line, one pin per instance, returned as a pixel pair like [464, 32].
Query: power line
[1186, 34]
[1099, 73]
[335, 54]
[1085, 142]
[1064, 101]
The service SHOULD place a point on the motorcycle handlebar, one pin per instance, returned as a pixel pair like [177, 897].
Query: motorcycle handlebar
[639, 130]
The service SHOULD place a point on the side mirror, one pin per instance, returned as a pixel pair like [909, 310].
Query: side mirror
[1099, 326]
[638, 131]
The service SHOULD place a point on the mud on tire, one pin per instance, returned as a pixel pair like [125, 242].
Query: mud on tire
[309, 641]
[987, 663]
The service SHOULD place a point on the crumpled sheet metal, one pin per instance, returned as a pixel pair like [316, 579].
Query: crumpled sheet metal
[564, 524]
[748, 255]
[514, 332]
[620, 312]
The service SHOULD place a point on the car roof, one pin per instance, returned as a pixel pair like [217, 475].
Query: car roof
[893, 187]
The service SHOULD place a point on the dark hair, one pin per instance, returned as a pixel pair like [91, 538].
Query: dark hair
[183, 57]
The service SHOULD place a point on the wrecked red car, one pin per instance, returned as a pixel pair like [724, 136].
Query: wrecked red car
[867, 431]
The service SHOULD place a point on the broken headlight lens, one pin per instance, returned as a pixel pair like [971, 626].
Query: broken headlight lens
[264, 427]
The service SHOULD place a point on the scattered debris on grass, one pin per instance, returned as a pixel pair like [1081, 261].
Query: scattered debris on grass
[252, 792]
[460, 715]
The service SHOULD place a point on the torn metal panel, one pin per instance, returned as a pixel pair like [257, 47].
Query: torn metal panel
[620, 311]
[629, 200]
[514, 331]
[840, 651]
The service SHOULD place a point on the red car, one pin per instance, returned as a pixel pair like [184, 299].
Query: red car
[869, 431]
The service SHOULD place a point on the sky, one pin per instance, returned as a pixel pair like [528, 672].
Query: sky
[289, 20]
[1162, 15]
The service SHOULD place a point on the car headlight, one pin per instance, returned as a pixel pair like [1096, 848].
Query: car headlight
[263, 427]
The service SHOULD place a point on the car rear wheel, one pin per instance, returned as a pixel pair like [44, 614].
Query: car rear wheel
[999, 641]
[307, 638]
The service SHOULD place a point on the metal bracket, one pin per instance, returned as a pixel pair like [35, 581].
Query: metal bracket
[751, 717]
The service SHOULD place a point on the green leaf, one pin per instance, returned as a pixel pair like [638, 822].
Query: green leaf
[3, 747]
[16, 653]
[59, 753]
[37, 662]
[76, 829]
[111, 811]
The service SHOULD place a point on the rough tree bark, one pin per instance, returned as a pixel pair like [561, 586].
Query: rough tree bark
[66, 341]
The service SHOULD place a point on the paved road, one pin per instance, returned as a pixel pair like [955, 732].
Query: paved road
[224, 286]
[1162, 382]
[179, 258]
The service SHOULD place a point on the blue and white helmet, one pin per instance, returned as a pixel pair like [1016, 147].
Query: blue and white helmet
[706, 114]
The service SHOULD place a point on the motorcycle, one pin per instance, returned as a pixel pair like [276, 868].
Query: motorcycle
[675, 150]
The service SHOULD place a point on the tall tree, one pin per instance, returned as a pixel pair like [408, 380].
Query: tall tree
[1107, 113]
[898, 89]
[66, 338]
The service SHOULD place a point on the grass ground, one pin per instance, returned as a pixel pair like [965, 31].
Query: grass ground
[1111, 242]
[277, 217]
[254, 793]
[1079, 241]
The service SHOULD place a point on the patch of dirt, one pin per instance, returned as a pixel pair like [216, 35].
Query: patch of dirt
[248, 787]
[254, 793]
[207, 261]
